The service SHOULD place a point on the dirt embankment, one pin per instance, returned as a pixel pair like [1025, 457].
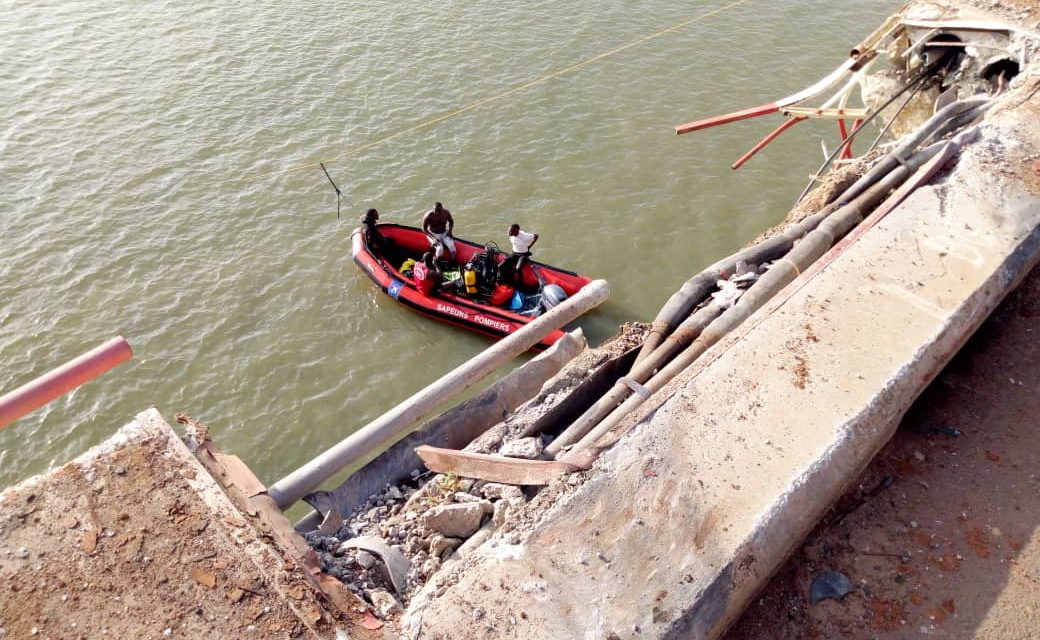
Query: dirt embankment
[135, 543]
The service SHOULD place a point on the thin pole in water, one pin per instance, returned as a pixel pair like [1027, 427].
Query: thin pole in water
[338, 192]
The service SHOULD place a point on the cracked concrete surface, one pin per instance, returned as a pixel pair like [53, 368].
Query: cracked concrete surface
[689, 514]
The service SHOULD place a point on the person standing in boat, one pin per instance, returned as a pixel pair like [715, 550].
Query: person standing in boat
[373, 238]
[521, 242]
[438, 225]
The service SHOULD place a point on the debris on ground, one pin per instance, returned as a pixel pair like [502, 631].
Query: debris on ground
[431, 521]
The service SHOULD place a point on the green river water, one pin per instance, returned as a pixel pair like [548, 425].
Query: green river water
[146, 164]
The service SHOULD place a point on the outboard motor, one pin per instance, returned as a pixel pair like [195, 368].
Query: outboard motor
[552, 295]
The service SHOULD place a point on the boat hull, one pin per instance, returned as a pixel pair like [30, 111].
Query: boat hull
[460, 311]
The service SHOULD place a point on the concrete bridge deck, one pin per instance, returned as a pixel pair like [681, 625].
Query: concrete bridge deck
[135, 539]
[681, 523]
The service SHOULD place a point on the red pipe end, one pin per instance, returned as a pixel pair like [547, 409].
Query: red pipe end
[68, 376]
[715, 121]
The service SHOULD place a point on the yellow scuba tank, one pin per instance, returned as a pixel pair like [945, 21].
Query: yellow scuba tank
[469, 278]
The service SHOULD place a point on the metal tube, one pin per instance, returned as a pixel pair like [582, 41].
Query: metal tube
[790, 122]
[685, 334]
[393, 425]
[68, 376]
[682, 302]
[453, 429]
[801, 256]
[894, 158]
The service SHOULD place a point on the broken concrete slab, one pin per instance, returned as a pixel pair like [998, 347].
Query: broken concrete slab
[135, 539]
[681, 523]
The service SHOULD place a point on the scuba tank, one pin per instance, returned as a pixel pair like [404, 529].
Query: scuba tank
[469, 278]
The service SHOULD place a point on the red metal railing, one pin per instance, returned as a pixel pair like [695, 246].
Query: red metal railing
[68, 376]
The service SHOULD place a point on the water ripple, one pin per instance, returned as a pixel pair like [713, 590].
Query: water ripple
[137, 153]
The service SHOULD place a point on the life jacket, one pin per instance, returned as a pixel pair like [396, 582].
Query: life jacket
[425, 279]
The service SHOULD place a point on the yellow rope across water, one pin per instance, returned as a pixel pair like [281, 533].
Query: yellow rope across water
[483, 101]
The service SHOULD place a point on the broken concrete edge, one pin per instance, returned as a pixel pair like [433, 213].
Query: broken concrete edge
[146, 425]
[141, 428]
[646, 411]
[224, 519]
[707, 605]
[225, 483]
[781, 531]
[226, 473]
[454, 428]
[584, 456]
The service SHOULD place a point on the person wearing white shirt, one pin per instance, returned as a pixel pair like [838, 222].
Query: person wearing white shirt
[522, 241]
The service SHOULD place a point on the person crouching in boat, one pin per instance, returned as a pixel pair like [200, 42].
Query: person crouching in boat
[427, 277]
[438, 226]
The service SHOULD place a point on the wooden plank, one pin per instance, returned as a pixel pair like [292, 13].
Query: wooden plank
[833, 114]
[493, 468]
[239, 474]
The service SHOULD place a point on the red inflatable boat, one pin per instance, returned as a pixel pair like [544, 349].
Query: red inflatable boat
[520, 300]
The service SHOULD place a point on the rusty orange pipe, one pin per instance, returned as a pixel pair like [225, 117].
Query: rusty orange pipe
[846, 152]
[68, 376]
[766, 140]
[715, 121]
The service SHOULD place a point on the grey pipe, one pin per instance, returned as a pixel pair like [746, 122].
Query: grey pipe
[375, 437]
[453, 429]
[814, 245]
[890, 161]
[685, 334]
[960, 121]
[692, 292]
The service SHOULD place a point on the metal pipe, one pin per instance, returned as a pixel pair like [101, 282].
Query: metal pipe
[895, 157]
[376, 436]
[969, 25]
[887, 27]
[801, 256]
[841, 95]
[682, 302]
[787, 124]
[455, 428]
[642, 371]
[772, 107]
[920, 78]
[68, 376]
[821, 113]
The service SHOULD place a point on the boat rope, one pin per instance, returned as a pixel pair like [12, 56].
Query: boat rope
[517, 89]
